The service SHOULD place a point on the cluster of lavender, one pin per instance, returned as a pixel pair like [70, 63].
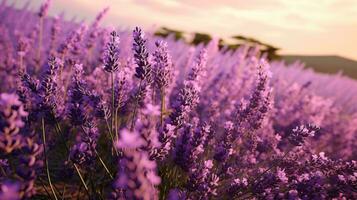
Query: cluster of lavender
[88, 112]
[17, 146]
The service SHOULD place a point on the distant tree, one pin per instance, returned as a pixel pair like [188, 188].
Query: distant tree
[238, 40]
[164, 32]
[201, 38]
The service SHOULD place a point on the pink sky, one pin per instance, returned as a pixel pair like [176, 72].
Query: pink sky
[321, 27]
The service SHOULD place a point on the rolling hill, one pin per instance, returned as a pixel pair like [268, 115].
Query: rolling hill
[326, 64]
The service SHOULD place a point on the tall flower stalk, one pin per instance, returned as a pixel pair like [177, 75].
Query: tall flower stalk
[143, 70]
[136, 178]
[111, 65]
[163, 73]
[46, 159]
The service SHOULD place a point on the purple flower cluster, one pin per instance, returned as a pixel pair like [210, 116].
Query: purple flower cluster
[159, 119]
[188, 96]
[141, 56]
[44, 8]
[111, 56]
[136, 177]
[84, 150]
[11, 121]
[13, 141]
[162, 65]
[299, 133]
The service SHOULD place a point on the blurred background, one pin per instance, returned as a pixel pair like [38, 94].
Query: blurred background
[322, 34]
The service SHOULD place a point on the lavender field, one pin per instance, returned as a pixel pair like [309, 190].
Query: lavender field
[89, 112]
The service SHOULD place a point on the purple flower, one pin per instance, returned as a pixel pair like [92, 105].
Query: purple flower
[44, 8]
[47, 95]
[98, 105]
[258, 105]
[162, 65]
[203, 182]
[166, 137]
[183, 148]
[299, 133]
[188, 97]
[176, 194]
[28, 82]
[111, 55]
[129, 140]
[191, 145]
[225, 148]
[99, 17]
[95, 29]
[136, 178]
[76, 109]
[146, 126]
[76, 46]
[11, 121]
[121, 89]
[23, 46]
[83, 152]
[198, 70]
[29, 165]
[9, 191]
[141, 56]
[72, 41]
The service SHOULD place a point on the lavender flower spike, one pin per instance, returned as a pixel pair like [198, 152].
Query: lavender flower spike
[299, 133]
[48, 90]
[162, 66]
[76, 108]
[11, 114]
[188, 97]
[83, 152]
[28, 166]
[203, 182]
[199, 67]
[111, 56]
[141, 55]
[136, 177]
[44, 9]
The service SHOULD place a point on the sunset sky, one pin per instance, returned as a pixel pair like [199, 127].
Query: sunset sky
[323, 27]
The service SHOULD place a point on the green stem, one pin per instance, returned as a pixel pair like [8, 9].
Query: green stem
[59, 131]
[3, 171]
[43, 186]
[116, 124]
[110, 132]
[113, 99]
[111, 136]
[135, 107]
[64, 191]
[22, 63]
[62, 66]
[104, 165]
[101, 160]
[67, 82]
[46, 161]
[82, 180]
[162, 106]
